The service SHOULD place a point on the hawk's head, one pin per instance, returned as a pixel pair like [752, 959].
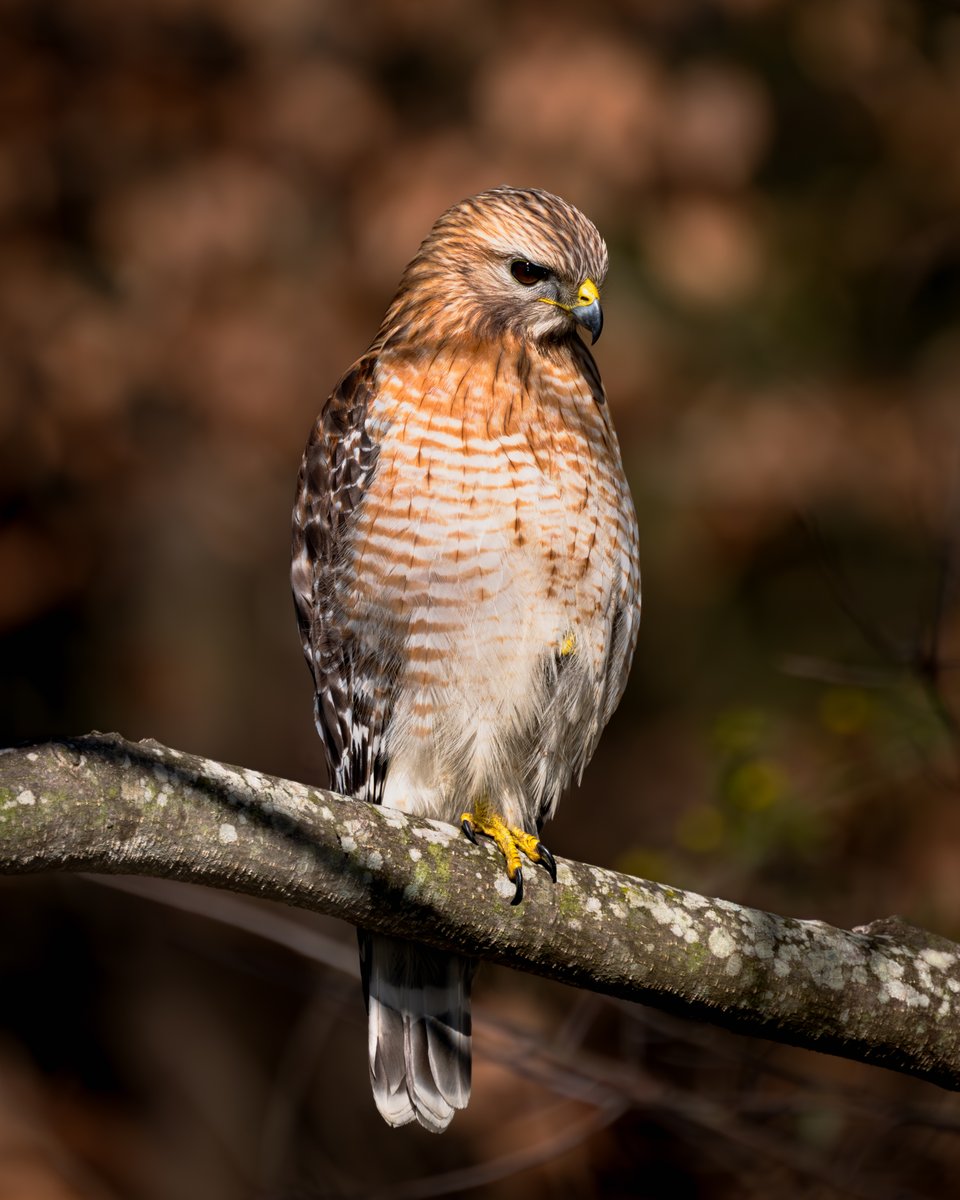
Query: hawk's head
[508, 260]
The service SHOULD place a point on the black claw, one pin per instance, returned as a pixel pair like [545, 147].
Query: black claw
[518, 880]
[467, 827]
[548, 860]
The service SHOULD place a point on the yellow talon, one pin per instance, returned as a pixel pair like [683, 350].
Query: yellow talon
[568, 645]
[510, 841]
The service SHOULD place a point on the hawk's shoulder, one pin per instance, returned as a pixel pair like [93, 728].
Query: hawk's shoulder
[338, 461]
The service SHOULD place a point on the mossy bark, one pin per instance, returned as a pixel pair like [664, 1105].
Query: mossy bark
[887, 993]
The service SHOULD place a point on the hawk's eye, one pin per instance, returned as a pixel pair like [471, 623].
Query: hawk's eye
[528, 273]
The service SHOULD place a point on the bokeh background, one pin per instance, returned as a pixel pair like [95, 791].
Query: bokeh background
[204, 209]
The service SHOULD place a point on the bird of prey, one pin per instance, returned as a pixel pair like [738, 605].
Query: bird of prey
[466, 580]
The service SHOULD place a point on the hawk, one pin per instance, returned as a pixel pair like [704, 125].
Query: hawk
[466, 580]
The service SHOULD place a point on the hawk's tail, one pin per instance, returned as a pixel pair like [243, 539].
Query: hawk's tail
[418, 1006]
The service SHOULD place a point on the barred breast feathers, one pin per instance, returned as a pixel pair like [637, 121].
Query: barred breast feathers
[482, 545]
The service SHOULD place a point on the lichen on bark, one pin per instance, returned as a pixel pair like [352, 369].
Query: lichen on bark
[886, 993]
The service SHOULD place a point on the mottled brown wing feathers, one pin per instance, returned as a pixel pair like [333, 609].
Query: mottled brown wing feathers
[338, 464]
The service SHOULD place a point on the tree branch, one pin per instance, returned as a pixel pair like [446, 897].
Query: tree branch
[887, 994]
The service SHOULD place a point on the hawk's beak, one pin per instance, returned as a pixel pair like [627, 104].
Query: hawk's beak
[587, 311]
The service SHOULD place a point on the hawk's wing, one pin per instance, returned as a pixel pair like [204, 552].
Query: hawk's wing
[352, 704]
[623, 616]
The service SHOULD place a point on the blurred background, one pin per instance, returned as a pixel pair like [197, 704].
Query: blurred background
[205, 206]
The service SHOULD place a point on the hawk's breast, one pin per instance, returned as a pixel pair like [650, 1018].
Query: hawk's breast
[496, 531]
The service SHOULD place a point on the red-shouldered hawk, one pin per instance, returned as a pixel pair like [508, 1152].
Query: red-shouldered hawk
[466, 579]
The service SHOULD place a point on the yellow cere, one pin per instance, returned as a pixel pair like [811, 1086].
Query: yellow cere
[587, 293]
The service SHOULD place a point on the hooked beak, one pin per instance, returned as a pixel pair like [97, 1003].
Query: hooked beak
[587, 311]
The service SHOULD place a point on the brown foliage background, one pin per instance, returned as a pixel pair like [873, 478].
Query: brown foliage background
[204, 208]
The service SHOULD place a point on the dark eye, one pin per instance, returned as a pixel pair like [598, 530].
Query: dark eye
[528, 273]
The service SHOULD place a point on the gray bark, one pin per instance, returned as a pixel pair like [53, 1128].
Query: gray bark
[886, 993]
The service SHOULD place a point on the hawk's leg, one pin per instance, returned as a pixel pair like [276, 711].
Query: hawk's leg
[510, 841]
